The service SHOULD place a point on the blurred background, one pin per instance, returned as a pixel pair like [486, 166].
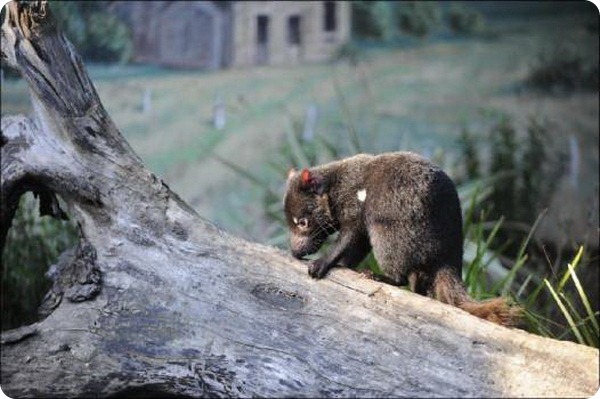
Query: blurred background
[222, 98]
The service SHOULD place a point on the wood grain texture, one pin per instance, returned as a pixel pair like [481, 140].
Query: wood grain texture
[187, 310]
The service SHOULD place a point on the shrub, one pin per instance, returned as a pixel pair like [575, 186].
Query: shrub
[538, 181]
[364, 21]
[108, 39]
[9, 72]
[574, 305]
[97, 34]
[504, 162]
[472, 164]
[552, 307]
[563, 69]
[524, 175]
[464, 21]
[521, 179]
[418, 18]
[384, 19]
[33, 243]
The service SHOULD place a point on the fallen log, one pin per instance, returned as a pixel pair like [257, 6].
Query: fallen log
[156, 301]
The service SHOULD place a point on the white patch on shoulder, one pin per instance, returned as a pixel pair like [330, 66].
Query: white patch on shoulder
[361, 195]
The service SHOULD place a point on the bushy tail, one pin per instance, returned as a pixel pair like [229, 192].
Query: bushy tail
[449, 288]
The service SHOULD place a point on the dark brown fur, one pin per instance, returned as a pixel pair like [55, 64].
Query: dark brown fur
[399, 205]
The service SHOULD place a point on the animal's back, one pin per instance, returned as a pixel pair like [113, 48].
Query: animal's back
[413, 214]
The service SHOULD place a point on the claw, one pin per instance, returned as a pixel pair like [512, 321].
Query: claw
[317, 269]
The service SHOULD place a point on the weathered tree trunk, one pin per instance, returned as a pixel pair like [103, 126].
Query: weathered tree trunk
[158, 301]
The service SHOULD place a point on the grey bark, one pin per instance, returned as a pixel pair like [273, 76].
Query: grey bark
[157, 301]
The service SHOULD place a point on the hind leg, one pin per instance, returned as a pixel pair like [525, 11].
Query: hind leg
[442, 284]
[419, 283]
[389, 253]
[448, 286]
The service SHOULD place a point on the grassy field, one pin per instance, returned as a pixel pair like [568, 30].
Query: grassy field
[417, 97]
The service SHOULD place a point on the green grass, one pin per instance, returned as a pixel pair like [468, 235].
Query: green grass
[574, 304]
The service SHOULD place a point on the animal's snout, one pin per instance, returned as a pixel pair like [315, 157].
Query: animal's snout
[301, 246]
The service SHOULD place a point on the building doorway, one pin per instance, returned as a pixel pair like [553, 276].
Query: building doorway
[262, 40]
[330, 20]
[294, 38]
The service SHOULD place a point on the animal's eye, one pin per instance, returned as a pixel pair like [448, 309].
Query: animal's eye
[302, 222]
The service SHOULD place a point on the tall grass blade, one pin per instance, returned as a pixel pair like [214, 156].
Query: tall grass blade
[584, 297]
[575, 262]
[525, 243]
[532, 298]
[521, 256]
[580, 321]
[565, 312]
[523, 286]
[539, 323]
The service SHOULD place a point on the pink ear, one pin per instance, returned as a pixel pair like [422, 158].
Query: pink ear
[305, 177]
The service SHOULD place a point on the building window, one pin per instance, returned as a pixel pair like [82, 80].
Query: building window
[262, 40]
[330, 20]
[294, 30]
[262, 32]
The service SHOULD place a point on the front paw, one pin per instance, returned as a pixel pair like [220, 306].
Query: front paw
[318, 268]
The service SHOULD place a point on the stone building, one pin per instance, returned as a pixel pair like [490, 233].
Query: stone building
[287, 32]
[218, 34]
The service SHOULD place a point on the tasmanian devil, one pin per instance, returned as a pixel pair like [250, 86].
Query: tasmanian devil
[399, 205]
